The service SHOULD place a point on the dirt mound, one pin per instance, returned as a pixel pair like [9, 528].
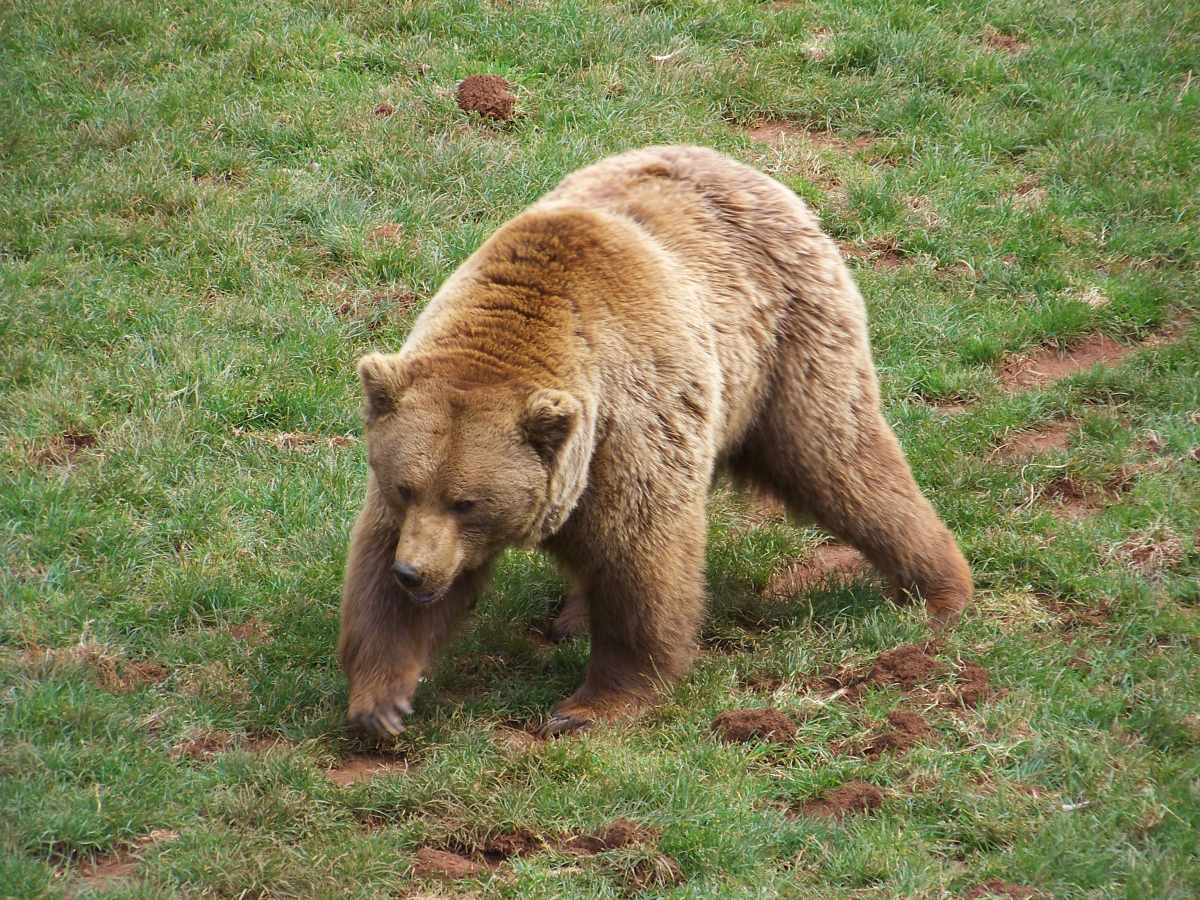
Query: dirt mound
[108, 670]
[61, 449]
[365, 766]
[519, 842]
[616, 835]
[851, 798]
[383, 110]
[745, 725]
[905, 730]
[488, 95]
[1074, 500]
[203, 746]
[252, 631]
[431, 863]
[974, 686]
[906, 666]
[1005, 43]
[1054, 436]
[1152, 552]
[997, 888]
[882, 253]
[829, 564]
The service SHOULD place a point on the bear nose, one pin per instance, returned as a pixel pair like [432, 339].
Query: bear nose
[406, 575]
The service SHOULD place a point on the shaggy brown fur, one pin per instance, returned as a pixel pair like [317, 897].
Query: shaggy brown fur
[576, 385]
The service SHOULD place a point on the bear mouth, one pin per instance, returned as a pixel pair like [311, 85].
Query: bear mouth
[425, 598]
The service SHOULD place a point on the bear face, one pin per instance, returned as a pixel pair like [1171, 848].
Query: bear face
[461, 470]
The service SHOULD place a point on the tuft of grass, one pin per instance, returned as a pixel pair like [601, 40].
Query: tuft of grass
[207, 212]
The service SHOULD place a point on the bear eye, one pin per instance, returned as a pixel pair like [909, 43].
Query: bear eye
[462, 506]
[403, 494]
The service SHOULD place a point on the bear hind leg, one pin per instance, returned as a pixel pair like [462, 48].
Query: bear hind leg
[853, 479]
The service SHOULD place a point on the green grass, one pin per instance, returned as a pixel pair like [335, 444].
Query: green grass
[187, 270]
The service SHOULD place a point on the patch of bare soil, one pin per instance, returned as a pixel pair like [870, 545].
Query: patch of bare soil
[376, 308]
[297, 440]
[360, 767]
[488, 95]
[1074, 617]
[1044, 439]
[952, 407]
[1151, 553]
[616, 835]
[516, 738]
[853, 797]
[995, 887]
[102, 873]
[745, 725]
[775, 132]
[829, 564]
[62, 449]
[904, 731]
[1074, 500]
[1051, 364]
[1005, 43]
[252, 631]
[974, 686]
[388, 232]
[108, 670]
[906, 667]
[433, 863]
[882, 253]
[203, 746]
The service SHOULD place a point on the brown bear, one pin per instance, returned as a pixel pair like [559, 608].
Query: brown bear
[659, 317]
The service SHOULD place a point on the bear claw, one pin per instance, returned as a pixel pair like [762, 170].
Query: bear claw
[387, 719]
[563, 724]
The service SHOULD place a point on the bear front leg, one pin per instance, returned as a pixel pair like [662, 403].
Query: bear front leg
[387, 642]
[645, 603]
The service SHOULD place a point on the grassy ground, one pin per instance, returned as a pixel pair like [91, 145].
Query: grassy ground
[206, 214]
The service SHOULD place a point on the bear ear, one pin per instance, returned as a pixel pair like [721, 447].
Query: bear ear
[381, 383]
[550, 418]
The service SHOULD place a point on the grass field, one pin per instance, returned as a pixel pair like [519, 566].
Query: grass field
[207, 211]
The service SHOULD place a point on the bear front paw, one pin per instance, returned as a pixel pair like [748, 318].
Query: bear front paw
[383, 718]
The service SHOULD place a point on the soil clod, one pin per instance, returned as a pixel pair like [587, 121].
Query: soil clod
[62, 449]
[974, 686]
[432, 863]
[829, 564]
[851, 798]
[906, 666]
[746, 725]
[905, 730]
[488, 95]
[997, 888]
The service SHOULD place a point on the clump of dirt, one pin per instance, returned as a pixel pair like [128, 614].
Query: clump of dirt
[432, 863]
[616, 835]
[252, 631]
[829, 564]
[108, 670]
[952, 407]
[364, 766]
[777, 131]
[387, 232]
[906, 667]
[297, 440]
[745, 725]
[995, 887]
[654, 871]
[488, 95]
[905, 730]
[1151, 553]
[383, 110]
[1006, 43]
[1053, 436]
[100, 873]
[974, 686]
[377, 308]
[851, 798]
[518, 842]
[1051, 364]
[516, 738]
[203, 746]
[882, 253]
[62, 449]
[1073, 499]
